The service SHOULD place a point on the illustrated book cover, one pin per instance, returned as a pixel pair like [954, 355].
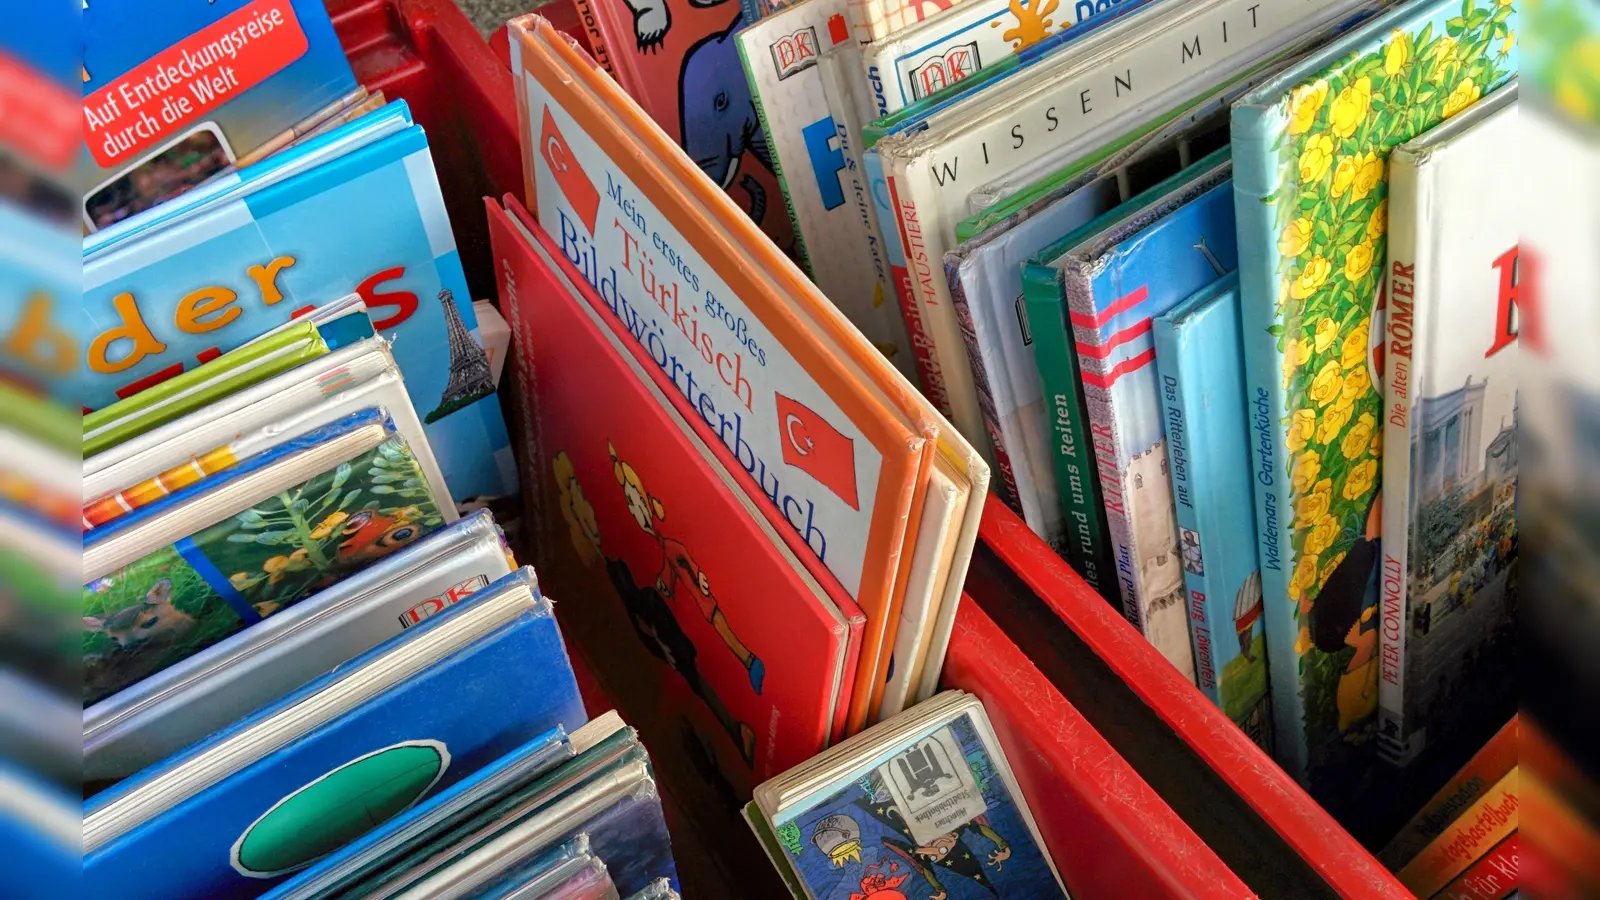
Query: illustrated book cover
[175, 577]
[1200, 361]
[1311, 193]
[371, 222]
[1450, 422]
[284, 787]
[177, 706]
[170, 101]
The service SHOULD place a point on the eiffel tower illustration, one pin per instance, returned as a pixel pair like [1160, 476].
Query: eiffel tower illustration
[469, 365]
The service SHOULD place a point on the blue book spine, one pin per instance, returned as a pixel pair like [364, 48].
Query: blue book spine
[1200, 358]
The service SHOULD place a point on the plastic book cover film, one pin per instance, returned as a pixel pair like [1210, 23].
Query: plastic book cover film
[1450, 423]
[423, 735]
[1311, 148]
[371, 222]
[690, 572]
[679, 59]
[170, 101]
[933, 818]
[781, 57]
[184, 597]
[1115, 287]
[1201, 365]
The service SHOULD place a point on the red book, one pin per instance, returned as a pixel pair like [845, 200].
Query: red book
[1490, 878]
[669, 572]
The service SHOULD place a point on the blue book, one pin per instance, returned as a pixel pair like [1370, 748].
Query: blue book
[305, 776]
[1200, 357]
[370, 222]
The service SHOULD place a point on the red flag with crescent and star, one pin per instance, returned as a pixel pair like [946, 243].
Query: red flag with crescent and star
[570, 177]
[815, 447]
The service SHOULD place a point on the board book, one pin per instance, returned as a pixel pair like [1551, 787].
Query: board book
[1311, 194]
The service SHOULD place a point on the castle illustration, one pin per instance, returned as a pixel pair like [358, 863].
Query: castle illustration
[1447, 431]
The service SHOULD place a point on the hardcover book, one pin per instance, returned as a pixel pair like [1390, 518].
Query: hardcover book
[858, 444]
[1200, 361]
[371, 222]
[167, 711]
[175, 577]
[301, 778]
[874, 20]
[1449, 587]
[1486, 767]
[170, 101]
[1492, 819]
[1311, 194]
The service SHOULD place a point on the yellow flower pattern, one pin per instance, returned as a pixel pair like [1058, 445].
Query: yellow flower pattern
[1310, 278]
[1326, 386]
[1358, 261]
[1334, 418]
[1396, 53]
[1296, 237]
[1350, 108]
[1305, 104]
[1378, 222]
[1369, 171]
[1356, 441]
[1327, 333]
[1465, 94]
[1316, 159]
[1360, 480]
[1302, 425]
[1354, 351]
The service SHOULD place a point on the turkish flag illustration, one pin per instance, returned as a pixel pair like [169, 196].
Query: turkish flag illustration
[813, 446]
[570, 177]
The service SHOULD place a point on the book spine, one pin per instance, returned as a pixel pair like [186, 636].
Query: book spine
[757, 99]
[868, 19]
[1494, 877]
[750, 12]
[1076, 473]
[1399, 379]
[838, 79]
[1265, 395]
[597, 38]
[1491, 820]
[913, 236]
[615, 33]
[1183, 434]
[1483, 771]
[877, 64]
[980, 377]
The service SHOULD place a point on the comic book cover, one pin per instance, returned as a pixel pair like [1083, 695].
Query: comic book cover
[371, 222]
[1116, 282]
[1311, 148]
[937, 815]
[679, 60]
[781, 55]
[1449, 590]
[171, 100]
[1200, 361]
[147, 614]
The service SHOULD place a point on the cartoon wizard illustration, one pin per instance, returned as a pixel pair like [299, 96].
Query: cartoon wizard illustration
[946, 856]
[1345, 614]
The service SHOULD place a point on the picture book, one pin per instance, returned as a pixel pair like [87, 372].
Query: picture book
[176, 576]
[780, 55]
[1490, 820]
[371, 222]
[165, 712]
[1116, 283]
[285, 409]
[815, 368]
[687, 563]
[1449, 589]
[928, 183]
[186, 393]
[171, 100]
[924, 805]
[1311, 195]
[1488, 765]
[297, 780]
[873, 20]
[1200, 362]
[680, 61]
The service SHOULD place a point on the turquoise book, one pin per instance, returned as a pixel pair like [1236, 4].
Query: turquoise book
[1311, 149]
[370, 222]
[1200, 358]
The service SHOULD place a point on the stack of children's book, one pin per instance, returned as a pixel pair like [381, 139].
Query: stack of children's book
[1177, 269]
[302, 665]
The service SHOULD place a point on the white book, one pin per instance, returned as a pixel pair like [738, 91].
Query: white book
[809, 152]
[1113, 80]
[1450, 416]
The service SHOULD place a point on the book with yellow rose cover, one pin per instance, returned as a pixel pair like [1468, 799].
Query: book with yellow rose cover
[1450, 421]
[1310, 193]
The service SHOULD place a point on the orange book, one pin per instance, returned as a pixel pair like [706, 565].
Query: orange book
[1488, 822]
[1482, 772]
[1490, 878]
[883, 490]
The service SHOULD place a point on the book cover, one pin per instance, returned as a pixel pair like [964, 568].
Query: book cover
[493, 683]
[1200, 361]
[171, 100]
[670, 547]
[1311, 196]
[781, 55]
[170, 709]
[1116, 283]
[1486, 767]
[873, 20]
[1493, 877]
[1449, 589]
[1481, 826]
[680, 61]
[371, 222]
[148, 613]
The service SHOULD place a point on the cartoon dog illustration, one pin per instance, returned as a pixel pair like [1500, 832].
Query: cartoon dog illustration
[152, 620]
